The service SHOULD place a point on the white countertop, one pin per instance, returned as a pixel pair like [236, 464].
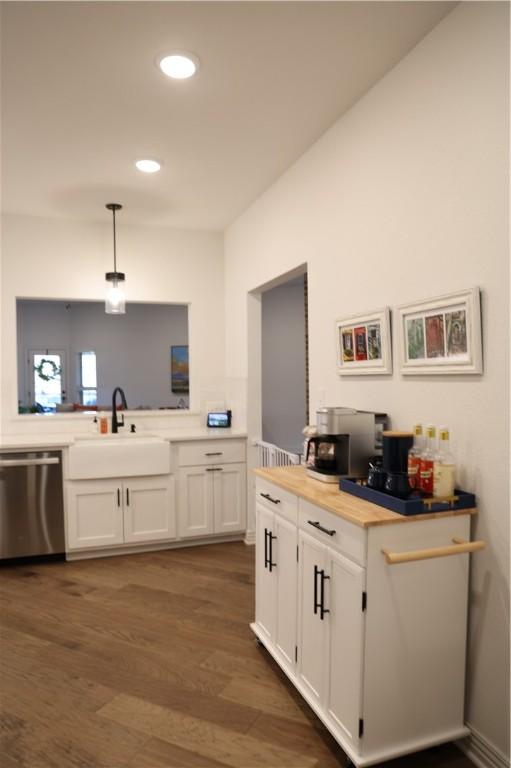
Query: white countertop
[62, 440]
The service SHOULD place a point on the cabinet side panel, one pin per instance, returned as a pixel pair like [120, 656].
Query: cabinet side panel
[416, 624]
[285, 548]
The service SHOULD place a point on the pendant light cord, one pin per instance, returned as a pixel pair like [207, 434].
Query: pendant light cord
[115, 251]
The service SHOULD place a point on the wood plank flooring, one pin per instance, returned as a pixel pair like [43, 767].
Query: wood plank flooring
[147, 661]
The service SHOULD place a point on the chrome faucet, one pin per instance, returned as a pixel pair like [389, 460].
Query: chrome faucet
[115, 422]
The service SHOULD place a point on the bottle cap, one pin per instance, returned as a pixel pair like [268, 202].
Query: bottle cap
[417, 429]
[443, 433]
[430, 430]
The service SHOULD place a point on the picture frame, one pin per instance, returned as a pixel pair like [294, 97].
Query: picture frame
[179, 370]
[441, 335]
[363, 344]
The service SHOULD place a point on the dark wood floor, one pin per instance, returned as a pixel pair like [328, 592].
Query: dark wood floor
[147, 661]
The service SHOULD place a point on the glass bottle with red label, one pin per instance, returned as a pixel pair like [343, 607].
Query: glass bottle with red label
[427, 461]
[414, 457]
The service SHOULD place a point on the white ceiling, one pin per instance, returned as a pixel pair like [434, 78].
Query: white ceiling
[82, 99]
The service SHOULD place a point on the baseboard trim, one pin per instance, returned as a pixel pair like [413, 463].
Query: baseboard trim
[481, 752]
[250, 538]
[133, 549]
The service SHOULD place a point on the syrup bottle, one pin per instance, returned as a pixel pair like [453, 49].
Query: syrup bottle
[414, 455]
[427, 460]
[444, 468]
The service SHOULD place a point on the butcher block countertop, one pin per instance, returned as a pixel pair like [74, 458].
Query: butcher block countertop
[329, 497]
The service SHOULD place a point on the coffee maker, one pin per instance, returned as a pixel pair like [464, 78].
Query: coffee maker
[343, 445]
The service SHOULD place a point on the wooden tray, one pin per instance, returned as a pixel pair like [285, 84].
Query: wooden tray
[413, 505]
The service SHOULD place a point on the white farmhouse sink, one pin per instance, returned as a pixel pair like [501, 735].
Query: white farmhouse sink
[118, 456]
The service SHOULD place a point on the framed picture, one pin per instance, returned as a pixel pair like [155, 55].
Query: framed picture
[441, 335]
[363, 344]
[179, 373]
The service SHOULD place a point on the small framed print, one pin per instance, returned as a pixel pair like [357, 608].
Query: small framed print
[363, 344]
[441, 335]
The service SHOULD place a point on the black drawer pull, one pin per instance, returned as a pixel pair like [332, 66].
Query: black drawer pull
[316, 524]
[214, 469]
[267, 496]
[215, 453]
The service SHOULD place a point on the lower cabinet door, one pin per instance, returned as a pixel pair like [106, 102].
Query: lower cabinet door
[195, 502]
[229, 490]
[313, 623]
[149, 513]
[266, 603]
[94, 514]
[284, 548]
[345, 643]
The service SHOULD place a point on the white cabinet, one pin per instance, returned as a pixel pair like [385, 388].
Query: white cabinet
[376, 658]
[276, 572]
[211, 488]
[108, 513]
[94, 514]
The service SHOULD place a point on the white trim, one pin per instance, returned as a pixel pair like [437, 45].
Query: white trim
[250, 538]
[123, 549]
[481, 752]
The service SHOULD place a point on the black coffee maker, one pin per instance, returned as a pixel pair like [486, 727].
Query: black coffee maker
[331, 456]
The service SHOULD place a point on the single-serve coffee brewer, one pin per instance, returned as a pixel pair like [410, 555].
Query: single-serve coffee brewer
[343, 445]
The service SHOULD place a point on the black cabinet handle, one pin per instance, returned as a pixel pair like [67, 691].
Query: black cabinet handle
[267, 496]
[118, 497]
[127, 497]
[322, 609]
[214, 469]
[271, 564]
[215, 453]
[316, 524]
[266, 547]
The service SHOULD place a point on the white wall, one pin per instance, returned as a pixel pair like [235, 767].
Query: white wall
[283, 365]
[127, 347]
[50, 258]
[406, 197]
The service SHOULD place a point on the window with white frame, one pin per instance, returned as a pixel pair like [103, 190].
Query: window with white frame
[87, 384]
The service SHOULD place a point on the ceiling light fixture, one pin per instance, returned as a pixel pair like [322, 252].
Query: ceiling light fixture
[148, 166]
[179, 66]
[115, 303]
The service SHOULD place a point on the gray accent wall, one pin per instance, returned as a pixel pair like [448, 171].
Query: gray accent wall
[283, 365]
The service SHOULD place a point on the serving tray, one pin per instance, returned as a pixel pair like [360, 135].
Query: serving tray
[413, 505]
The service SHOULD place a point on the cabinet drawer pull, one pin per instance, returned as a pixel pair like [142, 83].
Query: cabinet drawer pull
[267, 496]
[214, 453]
[214, 469]
[458, 547]
[316, 524]
[322, 609]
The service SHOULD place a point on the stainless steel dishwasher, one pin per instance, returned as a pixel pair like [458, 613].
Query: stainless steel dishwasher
[31, 504]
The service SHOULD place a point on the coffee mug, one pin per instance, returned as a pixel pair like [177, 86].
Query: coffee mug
[398, 484]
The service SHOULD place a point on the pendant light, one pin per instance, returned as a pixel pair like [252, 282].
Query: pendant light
[115, 301]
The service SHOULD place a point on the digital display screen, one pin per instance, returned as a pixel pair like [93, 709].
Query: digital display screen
[219, 419]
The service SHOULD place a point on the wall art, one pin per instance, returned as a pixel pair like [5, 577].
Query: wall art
[363, 344]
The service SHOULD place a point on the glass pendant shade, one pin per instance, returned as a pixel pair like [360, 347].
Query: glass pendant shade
[115, 302]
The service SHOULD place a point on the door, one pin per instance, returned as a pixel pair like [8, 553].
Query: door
[195, 502]
[46, 379]
[149, 513]
[94, 514]
[345, 622]
[266, 603]
[229, 492]
[312, 620]
[286, 570]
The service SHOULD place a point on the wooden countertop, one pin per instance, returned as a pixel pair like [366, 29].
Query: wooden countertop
[351, 508]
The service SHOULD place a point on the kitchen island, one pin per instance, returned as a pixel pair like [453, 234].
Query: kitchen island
[365, 611]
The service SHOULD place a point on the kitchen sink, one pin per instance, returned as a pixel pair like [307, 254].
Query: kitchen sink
[128, 455]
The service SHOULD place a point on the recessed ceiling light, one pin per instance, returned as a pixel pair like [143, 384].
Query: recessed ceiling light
[179, 66]
[148, 166]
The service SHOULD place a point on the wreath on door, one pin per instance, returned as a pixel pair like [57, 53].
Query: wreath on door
[53, 373]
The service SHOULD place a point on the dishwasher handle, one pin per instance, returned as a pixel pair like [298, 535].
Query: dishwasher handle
[29, 462]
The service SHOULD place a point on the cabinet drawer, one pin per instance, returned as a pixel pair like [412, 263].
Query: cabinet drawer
[280, 501]
[210, 452]
[346, 538]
